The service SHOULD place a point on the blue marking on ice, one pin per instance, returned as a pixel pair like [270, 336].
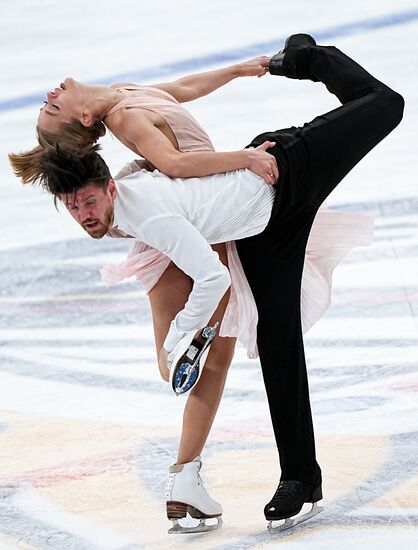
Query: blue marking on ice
[235, 54]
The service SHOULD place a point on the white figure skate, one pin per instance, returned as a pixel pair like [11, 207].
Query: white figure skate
[187, 359]
[187, 495]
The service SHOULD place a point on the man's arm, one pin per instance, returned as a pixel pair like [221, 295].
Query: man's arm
[198, 85]
[178, 239]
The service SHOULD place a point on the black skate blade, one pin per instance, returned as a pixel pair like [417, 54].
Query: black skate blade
[201, 527]
[288, 523]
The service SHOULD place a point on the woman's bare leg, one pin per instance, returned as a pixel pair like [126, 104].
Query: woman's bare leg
[167, 298]
[203, 401]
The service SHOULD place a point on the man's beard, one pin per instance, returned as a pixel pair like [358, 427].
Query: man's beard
[99, 230]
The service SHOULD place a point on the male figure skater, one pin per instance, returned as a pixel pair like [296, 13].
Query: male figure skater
[270, 225]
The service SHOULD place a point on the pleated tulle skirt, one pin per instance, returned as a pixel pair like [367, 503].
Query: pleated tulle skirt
[332, 236]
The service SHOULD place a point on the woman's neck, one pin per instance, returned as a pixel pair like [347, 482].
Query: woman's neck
[101, 99]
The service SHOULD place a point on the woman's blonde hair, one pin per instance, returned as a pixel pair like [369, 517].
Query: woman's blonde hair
[28, 165]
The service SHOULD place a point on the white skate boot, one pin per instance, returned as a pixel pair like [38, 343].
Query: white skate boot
[187, 359]
[186, 494]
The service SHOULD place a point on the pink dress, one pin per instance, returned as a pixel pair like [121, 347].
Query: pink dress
[332, 236]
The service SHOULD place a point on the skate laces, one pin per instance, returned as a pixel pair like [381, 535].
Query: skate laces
[169, 486]
[287, 489]
[199, 479]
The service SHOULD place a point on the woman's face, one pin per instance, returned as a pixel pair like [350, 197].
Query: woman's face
[63, 104]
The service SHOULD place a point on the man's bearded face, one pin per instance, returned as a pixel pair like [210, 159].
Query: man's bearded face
[92, 208]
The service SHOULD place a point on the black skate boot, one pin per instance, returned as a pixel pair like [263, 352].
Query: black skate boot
[293, 60]
[288, 501]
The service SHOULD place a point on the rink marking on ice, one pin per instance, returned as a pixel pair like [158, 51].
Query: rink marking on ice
[362, 295]
[74, 470]
[70, 298]
[187, 65]
[37, 533]
[85, 533]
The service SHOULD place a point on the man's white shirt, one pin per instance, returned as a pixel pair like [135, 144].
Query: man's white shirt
[182, 218]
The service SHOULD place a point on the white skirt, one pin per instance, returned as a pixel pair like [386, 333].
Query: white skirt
[332, 236]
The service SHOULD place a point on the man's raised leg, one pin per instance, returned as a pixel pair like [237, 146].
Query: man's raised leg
[333, 143]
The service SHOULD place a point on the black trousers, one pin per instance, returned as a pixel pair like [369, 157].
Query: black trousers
[312, 160]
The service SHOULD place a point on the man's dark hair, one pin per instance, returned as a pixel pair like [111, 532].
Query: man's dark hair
[66, 171]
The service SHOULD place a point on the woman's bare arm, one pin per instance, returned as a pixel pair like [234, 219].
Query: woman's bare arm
[144, 137]
[198, 85]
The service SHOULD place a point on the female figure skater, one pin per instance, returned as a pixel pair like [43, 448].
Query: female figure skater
[151, 121]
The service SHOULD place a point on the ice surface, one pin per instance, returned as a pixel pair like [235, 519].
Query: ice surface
[87, 430]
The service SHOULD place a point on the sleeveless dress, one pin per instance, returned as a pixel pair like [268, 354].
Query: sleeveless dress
[332, 236]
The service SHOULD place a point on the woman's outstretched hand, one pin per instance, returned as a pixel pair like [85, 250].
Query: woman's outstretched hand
[258, 66]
